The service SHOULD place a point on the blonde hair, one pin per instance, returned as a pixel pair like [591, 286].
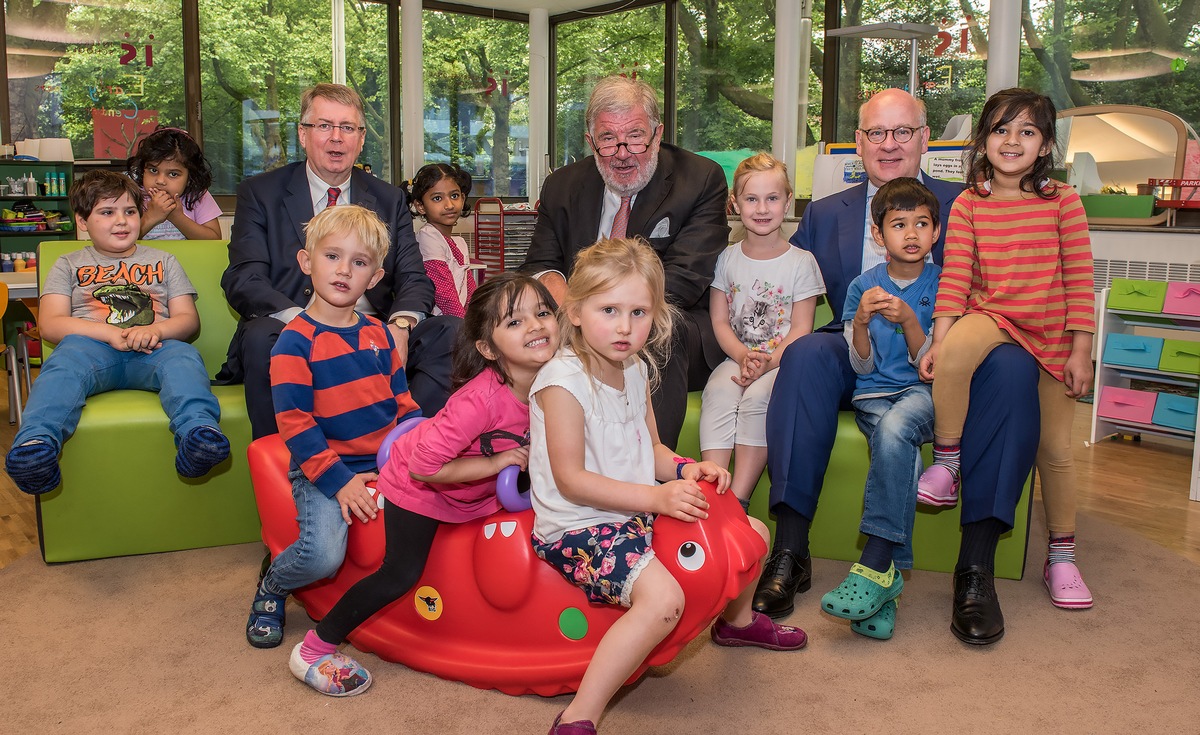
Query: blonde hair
[599, 268]
[349, 220]
[338, 93]
[756, 164]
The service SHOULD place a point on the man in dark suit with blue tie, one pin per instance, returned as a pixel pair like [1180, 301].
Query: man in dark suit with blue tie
[264, 283]
[816, 381]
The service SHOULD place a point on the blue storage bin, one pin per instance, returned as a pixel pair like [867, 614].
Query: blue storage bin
[1177, 412]
[1132, 350]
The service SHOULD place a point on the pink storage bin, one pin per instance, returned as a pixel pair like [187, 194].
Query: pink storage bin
[1122, 404]
[1182, 298]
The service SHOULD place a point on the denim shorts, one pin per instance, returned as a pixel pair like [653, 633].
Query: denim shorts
[604, 561]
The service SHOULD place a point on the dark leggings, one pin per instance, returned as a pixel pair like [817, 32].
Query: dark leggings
[409, 536]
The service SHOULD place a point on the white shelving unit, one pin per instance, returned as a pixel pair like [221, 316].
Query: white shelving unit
[1123, 322]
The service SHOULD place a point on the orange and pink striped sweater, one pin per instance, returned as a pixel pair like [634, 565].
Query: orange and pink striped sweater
[1027, 264]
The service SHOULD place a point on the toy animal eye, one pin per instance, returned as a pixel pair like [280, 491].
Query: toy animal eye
[690, 556]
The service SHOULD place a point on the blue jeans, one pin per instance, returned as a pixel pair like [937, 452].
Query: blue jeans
[318, 552]
[81, 367]
[895, 426]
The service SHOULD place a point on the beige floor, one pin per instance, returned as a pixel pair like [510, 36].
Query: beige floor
[1142, 486]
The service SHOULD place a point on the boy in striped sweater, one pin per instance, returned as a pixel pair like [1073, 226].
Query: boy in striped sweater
[338, 389]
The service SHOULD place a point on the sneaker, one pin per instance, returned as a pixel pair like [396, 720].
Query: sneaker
[578, 727]
[937, 487]
[762, 632]
[1066, 586]
[264, 629]
[334, 674]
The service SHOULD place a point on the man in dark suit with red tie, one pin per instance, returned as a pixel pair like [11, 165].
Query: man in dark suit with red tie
[636, 185]
[264, 283]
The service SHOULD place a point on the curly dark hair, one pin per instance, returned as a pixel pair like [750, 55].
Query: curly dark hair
[1000, 109]
[428, 177]
[173, 144]
[491, 303]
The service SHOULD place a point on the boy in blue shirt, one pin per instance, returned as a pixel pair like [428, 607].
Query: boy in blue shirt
[888, 316]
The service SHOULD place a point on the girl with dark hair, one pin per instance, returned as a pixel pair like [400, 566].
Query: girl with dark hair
[439, 194]
[1018, 270]
[175, 176]
[444, 470]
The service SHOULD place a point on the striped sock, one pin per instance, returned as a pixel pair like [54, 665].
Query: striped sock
[1062, 550]
[950, 457]
[313, 648]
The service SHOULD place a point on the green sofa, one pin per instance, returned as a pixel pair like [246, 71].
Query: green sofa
[120, 493]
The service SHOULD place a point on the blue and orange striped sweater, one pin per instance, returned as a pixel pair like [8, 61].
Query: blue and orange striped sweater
[338, 391]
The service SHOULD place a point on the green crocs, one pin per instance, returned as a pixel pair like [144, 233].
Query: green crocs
[863, 593]
[881, 625]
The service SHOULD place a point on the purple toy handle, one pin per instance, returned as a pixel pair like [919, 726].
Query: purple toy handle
[385, 449]
[511, 497]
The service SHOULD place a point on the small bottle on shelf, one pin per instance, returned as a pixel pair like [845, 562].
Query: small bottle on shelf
[6, 264]
[31, 185]
[62, 184]
[19, 262]
[48, 185]
[31, 260]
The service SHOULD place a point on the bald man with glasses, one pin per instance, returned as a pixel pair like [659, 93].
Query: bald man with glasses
[816, 380]
[636, 185]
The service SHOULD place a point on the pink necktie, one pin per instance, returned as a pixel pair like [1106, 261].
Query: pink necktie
[334, 193]
[621, 221]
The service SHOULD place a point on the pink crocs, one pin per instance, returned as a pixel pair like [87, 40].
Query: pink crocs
[1066, 586]
[937, 487]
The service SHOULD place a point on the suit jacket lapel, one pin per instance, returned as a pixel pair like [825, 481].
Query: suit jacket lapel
[358, 190]
[851, 224]
[298, 200]
[650, 199]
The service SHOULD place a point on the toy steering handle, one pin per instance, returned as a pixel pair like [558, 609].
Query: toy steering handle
[509, 492]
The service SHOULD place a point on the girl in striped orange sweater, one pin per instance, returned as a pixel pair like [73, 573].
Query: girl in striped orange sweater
[1018, 269]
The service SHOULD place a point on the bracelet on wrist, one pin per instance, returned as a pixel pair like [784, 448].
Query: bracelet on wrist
[680, 462]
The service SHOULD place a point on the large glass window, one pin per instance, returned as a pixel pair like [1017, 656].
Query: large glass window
[1083, 52]
[951, 64]
[628, 43]
[102, 73]
[726, 79]
[477, 99]
[367, 71]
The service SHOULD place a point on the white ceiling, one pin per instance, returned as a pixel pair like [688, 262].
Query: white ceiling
[524, 6]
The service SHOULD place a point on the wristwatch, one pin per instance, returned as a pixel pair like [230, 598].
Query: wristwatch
[404, 322]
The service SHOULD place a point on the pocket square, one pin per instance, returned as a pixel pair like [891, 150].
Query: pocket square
[662, 229]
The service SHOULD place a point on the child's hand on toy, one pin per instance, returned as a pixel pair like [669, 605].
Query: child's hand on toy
[518, 456]
[682, 500]
[708, 471]
[354, 497]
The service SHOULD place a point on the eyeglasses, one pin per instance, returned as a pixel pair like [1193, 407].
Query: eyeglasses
[633, 147]
[900, 135]
[327, 128]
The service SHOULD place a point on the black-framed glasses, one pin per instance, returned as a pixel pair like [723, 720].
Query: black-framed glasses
[632, 147]
[901, 134]
[327, 128]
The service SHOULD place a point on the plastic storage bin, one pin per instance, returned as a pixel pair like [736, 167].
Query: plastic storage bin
[1182, 299]
[1122, 404]
[1131, 350]
[1180, 356]
[1177, 412]
[1128, 295]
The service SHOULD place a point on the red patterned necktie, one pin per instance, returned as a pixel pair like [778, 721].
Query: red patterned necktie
[334, 193]
[621, 221]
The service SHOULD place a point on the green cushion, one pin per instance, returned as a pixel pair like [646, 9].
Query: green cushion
[120, 493]
[834, 534]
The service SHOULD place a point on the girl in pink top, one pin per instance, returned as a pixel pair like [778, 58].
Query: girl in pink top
[439, 194]
[444, 470]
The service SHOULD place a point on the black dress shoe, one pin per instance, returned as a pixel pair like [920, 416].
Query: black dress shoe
[784, 574]
[977, 618]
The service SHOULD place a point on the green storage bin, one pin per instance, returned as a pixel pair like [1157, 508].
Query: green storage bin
[1180, 356]
[1108, 206]
[1129, 295]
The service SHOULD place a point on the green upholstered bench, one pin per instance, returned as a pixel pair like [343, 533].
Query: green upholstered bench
[120, 493]
[834, 534]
